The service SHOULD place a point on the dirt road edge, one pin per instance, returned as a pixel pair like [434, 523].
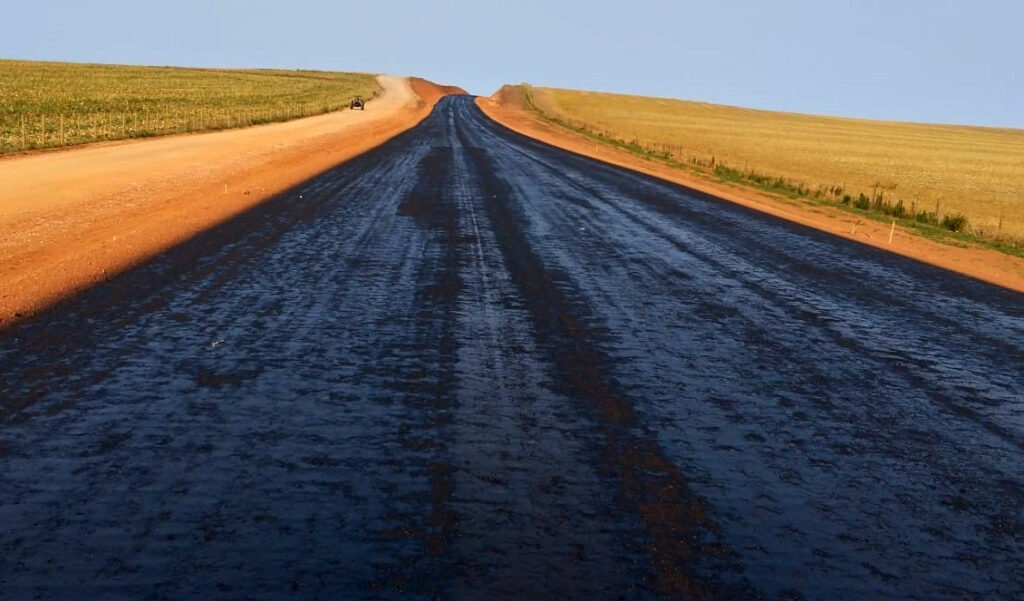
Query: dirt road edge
[80, 216]
[506, 108]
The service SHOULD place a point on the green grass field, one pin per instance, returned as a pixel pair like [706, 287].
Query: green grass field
[46, 105]
[966, 179]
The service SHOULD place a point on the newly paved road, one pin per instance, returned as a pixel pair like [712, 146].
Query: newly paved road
[470, 366]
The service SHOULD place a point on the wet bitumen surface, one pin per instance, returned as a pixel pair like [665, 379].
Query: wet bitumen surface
[467, 365]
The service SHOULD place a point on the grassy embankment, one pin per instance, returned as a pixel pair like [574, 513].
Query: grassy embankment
[46, 105]
[954, 183]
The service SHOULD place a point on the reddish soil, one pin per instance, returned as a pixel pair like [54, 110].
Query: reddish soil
[987, 265]
[75, 217]
[431, 91]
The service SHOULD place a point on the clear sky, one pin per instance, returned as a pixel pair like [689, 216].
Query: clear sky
[937, 61]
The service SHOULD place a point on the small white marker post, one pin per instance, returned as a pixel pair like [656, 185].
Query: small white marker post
[892, 230]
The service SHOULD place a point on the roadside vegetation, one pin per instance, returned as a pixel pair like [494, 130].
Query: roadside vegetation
[47, 105]
[955, 183]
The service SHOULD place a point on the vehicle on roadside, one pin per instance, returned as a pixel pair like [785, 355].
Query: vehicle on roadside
[357, 103]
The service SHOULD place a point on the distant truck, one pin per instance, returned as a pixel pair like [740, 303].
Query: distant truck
[357, 103]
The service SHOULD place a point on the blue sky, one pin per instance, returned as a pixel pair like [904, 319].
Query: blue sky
[941, 61]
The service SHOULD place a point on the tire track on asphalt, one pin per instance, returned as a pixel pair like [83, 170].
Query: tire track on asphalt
[529, 497]
[677, 523]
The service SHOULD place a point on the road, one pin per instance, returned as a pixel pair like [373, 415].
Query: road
[467, 365]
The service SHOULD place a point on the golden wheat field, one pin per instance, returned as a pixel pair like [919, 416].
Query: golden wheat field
[45, 104]
[974, 171]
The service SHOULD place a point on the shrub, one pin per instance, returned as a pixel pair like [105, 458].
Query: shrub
[955, 223]
[898, 210]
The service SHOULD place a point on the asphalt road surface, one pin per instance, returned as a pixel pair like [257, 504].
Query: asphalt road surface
[470, 366]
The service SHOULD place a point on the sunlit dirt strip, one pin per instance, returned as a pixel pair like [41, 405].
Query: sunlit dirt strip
[467, 365]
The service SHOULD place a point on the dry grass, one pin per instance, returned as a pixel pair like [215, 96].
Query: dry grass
[45, 105]
[974, 171]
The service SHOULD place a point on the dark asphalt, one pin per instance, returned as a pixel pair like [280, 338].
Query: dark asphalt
[469, 366]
